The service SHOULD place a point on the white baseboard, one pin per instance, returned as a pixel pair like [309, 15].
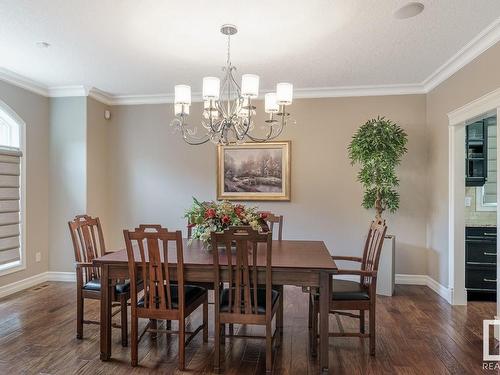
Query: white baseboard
[61, 276]
[22, 284]
[31, 281]
[427, 281]
[71, 277]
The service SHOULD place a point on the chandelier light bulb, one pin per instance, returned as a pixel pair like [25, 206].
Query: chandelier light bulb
[284, 93]
[271, 104]
[182, 94]
[250, 85]
[211, 88]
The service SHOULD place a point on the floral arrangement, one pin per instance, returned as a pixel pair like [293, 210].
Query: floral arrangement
[208, 217]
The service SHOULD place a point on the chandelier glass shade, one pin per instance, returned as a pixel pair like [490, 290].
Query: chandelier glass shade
[228, 110]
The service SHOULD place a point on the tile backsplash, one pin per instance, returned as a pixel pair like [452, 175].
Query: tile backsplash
[475, 218]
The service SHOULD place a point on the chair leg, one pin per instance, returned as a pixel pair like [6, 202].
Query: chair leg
[217, 343]
[269, 348]
[309, 323]
[182, 343]
[124, 323]
[205, 319]
[279, 313]
[362, 321]
[314, 329]
[79, 313]
[372, 329]
[134, 336]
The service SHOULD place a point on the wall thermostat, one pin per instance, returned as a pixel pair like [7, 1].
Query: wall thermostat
[107, 114]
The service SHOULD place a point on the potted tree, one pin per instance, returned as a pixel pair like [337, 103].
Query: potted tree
[378, 147]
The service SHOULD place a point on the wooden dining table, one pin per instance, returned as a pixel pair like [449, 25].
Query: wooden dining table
[300, 263]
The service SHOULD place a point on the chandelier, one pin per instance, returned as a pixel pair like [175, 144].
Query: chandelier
[228, 111]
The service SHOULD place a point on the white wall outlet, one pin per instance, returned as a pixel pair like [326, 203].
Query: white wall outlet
[468, 201]
[38, 257]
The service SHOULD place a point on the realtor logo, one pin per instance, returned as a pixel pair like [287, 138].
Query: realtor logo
[486, 340]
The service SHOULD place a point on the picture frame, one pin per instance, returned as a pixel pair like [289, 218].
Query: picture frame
[254, 171]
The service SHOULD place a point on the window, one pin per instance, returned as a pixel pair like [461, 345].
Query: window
[11, 191]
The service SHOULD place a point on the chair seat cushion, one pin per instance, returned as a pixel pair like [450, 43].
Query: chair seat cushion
[191, 293]
[261, 299]
[95, 284]
[349, 290]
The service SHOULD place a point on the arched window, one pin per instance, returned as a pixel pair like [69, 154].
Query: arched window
[12, 172]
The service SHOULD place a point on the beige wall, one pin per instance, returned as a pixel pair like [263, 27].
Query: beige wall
[474, 80]
[133, 169]
[153, 174]
[97, 162]
[68, 176]
[34, 110]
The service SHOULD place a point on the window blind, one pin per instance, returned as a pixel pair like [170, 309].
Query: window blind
[10, 204]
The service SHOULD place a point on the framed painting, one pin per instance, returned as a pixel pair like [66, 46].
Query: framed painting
[254, 171]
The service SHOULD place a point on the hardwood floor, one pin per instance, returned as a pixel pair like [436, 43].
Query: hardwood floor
[417, 333]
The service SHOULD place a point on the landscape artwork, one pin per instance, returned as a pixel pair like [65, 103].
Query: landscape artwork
[254, 171]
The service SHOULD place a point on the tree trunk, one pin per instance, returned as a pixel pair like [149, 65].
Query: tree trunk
[378, 207]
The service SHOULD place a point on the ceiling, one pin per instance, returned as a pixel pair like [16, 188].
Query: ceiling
[130, 47]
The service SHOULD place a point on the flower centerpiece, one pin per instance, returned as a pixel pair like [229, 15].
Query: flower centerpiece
[208, 217]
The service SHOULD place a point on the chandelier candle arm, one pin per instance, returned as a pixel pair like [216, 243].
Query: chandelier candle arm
[228, 111]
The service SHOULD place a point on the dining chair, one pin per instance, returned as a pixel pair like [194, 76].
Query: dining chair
[272, 219]
[355, 295]
[88, 244]
[163, 299]
[245, 301]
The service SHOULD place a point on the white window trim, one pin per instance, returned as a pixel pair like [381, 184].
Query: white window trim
[12, 116]
[480, 205]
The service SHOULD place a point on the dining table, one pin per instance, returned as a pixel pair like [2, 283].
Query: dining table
[306, 264]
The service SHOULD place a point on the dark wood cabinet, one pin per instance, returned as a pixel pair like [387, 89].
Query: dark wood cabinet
[481, 262]
[476, 153]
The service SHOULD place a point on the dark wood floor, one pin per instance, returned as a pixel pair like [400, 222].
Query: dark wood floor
[418, 333]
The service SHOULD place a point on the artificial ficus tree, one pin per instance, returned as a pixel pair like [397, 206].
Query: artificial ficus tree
[378, 147]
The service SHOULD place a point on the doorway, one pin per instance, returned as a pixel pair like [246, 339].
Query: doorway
[484, 107]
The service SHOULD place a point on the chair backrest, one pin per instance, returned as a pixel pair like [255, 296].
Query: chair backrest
[241, 267]
[148, 259]
[88, 243]
[373, 248]
[272, 219]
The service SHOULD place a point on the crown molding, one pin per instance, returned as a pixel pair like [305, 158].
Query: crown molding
[67, 91]
[148, 99]
[346, 91]
[23, 82]
[300, 93]
[480, 43]
[101, 96]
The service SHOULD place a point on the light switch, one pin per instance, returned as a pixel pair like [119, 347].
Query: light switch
[468, 201]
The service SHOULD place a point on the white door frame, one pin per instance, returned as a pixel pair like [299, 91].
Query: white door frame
[456, 189]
